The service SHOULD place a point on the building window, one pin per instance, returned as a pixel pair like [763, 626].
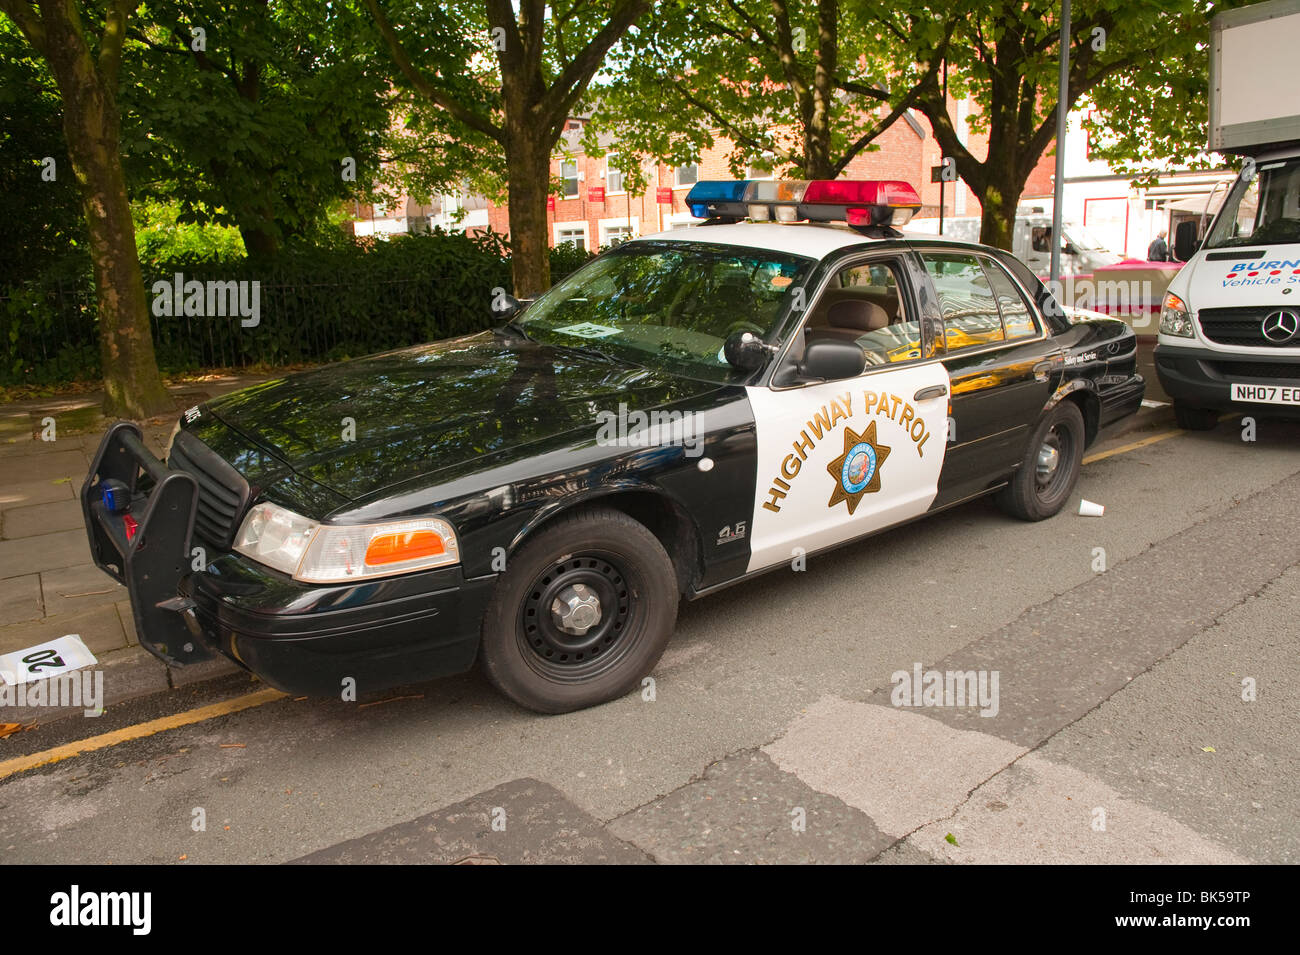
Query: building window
[686, 175]
[569, 173]
[575, 235]
[613, 176]
[614, 231]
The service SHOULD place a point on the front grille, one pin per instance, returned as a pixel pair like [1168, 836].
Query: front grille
[1256, 369]
[1240, 326]
[223, 492]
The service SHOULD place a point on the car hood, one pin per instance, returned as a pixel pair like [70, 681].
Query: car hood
[357, 427]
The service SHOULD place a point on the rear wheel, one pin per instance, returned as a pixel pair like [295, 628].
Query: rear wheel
[1047, 474]
[1194, 419]
[582, 613]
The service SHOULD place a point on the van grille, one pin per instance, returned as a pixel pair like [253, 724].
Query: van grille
[1239, 326]
[1256, 369]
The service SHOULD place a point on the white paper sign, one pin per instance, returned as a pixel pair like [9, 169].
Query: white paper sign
[46, 660]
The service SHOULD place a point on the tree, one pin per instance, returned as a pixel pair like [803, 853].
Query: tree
[41, 210]
[800, 84]
[255, 114]
[1155, 119]
[85, 66]
[1005, 55]
[509, 80]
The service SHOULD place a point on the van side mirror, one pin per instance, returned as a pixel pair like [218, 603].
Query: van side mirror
[1185, 240]
[832, 360]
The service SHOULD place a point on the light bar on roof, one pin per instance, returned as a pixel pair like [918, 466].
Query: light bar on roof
[862, 203]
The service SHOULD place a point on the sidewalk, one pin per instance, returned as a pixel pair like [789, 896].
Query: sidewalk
[48, 585]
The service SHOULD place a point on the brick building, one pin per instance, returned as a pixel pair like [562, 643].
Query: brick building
[594, 209]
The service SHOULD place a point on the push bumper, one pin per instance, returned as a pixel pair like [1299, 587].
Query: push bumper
[1202, 378]
[301, 638]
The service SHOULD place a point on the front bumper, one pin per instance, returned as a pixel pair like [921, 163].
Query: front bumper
[1202, 378]
[300, 638]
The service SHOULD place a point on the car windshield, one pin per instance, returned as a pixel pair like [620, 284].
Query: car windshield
[1081, 237]
[1263, 208]
[669, 305]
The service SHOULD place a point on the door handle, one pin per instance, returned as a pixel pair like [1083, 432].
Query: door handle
[933, 391]
[1043, 369]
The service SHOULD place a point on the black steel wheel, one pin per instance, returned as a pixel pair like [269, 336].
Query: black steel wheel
[581, 614]
[1047, 475]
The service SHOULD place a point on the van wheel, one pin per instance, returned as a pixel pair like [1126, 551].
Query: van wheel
[581, 614]
[1050, 468]
[1195, 419]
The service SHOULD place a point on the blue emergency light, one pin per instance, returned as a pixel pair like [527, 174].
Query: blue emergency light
[718, 197]
[115, 495]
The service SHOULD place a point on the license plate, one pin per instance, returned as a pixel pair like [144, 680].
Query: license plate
[1266, 394]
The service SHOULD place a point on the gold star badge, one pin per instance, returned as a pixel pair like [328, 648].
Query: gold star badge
[857, 470]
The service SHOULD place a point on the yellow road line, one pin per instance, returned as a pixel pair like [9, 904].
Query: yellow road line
[127, 733]
[1125, 448]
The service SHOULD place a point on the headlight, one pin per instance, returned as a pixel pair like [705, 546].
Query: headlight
[1175, 317]
[335, 553]
[275, 536]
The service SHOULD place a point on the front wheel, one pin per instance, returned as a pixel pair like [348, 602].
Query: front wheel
[581, 614]
[1050, 468]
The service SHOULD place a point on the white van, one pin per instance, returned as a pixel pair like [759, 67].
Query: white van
[1230, 322]
[1081, 254]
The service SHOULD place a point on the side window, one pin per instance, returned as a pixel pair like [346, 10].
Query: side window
[1017, 319]
[970, 310]
[1042, 238]
[865, 304]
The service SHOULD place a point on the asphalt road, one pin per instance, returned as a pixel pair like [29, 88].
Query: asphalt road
[1120, 732]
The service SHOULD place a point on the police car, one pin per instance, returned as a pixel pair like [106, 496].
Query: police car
[686, 411]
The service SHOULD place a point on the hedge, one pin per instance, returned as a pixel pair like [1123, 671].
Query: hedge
[317, 304]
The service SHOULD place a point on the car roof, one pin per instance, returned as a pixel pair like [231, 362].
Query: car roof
[813, 240]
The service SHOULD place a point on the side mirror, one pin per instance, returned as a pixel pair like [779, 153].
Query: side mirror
[832, 360]
[745, 350]
[1185, 241]
[506, 307]
[1069, 249]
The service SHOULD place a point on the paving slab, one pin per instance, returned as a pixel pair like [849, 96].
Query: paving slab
[100, 631]
[38, 519]
[69, 589]
[47, 552]
[522, 821]
[20, 599]
[27, 493]
[61, 460]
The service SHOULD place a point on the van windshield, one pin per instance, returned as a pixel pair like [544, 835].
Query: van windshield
[1263, 208]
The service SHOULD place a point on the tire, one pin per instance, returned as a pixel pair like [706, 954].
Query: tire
[1195, 419]
[593, 552]
[1032, 495]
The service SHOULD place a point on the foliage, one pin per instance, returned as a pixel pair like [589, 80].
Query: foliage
[316, 305]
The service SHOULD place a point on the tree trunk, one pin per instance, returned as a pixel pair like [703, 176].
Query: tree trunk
[998, 191]
[529, 167]
[259, 244]
[132, 386]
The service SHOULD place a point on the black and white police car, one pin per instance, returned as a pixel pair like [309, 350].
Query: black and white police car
[686, 411]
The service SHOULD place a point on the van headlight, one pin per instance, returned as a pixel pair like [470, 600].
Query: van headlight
[1175, 317]
[336, 553]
